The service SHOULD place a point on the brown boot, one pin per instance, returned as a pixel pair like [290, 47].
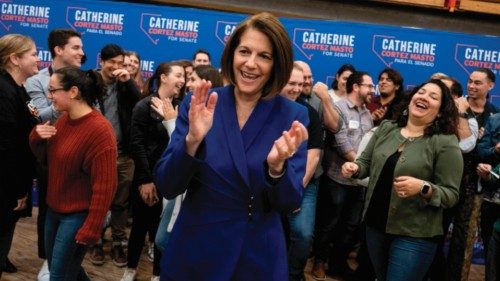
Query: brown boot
[118, 256]
[318, 271]
[97, 255]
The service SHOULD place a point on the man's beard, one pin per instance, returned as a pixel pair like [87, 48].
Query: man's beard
[307, 91]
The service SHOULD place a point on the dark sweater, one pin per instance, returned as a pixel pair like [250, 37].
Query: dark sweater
[16, 160]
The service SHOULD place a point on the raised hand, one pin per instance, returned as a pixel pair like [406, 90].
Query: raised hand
[379, 113]
[46, 131]
[321, 90]
[462, 104]
[122, 75]
[349, 169]
[201, 115]
[164, 108]
[286, 146]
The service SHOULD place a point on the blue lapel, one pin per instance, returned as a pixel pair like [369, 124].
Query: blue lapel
[233, 134]
[240, 141]
[257, 121]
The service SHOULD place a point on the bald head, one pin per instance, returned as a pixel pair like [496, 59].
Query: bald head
[308, 79]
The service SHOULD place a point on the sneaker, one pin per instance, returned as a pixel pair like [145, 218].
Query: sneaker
[124, 243]
[151, 252]
[44, 274]
[118, 256]
[155, 278]
[97, 255]
[129, 275]
[318, 272]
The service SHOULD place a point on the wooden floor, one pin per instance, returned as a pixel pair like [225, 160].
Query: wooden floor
[24, 255]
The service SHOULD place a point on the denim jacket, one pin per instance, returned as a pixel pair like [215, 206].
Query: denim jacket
[486, 145]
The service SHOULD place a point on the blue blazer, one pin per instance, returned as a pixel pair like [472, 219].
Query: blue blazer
[229, 225]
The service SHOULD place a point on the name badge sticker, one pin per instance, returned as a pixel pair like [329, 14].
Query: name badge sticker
[353, 124]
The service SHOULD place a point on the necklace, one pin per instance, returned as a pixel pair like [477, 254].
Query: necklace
[405, 133]
[408, 140]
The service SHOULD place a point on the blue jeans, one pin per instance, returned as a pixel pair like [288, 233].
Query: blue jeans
[493, 258]
[162, 235]
[301, 232]
[399, 258]
[64, 255]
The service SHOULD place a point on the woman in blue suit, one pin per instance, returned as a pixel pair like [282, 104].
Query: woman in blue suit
[240, 152]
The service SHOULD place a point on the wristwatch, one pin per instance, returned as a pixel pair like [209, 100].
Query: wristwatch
[425, 188]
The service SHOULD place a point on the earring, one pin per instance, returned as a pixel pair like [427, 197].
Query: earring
[405, 112]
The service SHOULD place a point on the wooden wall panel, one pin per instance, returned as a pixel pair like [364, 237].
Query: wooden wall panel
[488, 7]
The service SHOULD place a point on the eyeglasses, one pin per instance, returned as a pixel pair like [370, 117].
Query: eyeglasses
[370, 86]
[52, 91]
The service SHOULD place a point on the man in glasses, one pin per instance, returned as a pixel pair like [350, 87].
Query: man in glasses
[339, 200]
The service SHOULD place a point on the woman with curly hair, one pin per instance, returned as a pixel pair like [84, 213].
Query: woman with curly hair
[415, 166]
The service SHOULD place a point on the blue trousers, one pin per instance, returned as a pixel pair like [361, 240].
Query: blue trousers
[301, 232]
[162, 234]
[64, 255]
[399, 258]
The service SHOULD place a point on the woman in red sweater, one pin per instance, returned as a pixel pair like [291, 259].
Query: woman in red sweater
[80, 150]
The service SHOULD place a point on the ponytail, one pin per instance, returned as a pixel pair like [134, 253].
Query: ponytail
[89, 83]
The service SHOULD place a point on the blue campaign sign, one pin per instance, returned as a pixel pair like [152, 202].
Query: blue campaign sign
[163, 33]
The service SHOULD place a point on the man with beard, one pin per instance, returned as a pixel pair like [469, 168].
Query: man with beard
[340, 201]
[390, 87]
[319, 99]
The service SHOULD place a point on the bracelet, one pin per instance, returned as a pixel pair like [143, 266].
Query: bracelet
[275, 176]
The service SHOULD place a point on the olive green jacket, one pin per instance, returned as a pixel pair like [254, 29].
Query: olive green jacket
[436, 159]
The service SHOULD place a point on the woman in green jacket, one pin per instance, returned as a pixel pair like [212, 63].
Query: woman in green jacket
[415, 167]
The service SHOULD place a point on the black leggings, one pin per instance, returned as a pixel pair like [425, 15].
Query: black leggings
[42, 176]
[145, 219]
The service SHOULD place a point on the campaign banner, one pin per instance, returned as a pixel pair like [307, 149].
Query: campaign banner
[165, 33]
[392, 50]
[84, 20]
[20, 15]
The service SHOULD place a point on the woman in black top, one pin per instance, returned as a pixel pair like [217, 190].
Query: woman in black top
[18, 61]
[149, 138]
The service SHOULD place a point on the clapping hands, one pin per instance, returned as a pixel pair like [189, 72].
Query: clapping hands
[164, 108]
[286, 146]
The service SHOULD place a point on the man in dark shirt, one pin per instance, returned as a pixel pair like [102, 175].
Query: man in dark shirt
[117, 105]
[301, 222]
[390, 87]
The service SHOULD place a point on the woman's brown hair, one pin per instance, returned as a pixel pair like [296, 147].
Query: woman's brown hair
[282, 51]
